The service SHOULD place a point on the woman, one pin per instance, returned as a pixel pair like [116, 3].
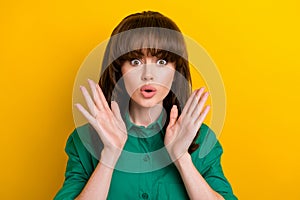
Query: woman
[151, 130]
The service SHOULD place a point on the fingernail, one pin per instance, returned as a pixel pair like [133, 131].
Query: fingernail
[199, 91]
[90, 80]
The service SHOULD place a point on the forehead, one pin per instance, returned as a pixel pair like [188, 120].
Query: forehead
[147, 41]
[149, 52]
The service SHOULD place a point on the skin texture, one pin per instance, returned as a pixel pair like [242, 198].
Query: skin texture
[153, 72]
[179, 135]
[181, 132]
[107, 122]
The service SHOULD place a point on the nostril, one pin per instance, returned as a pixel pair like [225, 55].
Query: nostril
[145, 78]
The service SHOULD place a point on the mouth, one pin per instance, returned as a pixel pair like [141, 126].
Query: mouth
[148, 91]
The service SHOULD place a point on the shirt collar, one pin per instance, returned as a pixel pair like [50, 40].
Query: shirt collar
[158, 123]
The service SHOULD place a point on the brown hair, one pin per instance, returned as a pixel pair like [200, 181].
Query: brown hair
[159, 36]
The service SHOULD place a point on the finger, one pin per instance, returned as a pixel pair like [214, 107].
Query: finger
[89, 101]
[116, 110]
[95, 93]
[195, 101]
[188, 103]
[173, 116]
[202, 116]
[103, 101]
[196, 112]
[85, 113]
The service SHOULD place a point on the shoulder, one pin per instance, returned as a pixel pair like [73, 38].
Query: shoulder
[78, 136]
[84, 143]
[207, 140]
[209, 148]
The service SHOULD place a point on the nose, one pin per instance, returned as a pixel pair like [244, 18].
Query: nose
[146, 73]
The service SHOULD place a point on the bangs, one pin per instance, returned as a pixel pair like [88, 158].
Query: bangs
[160, 54]
[154, 41]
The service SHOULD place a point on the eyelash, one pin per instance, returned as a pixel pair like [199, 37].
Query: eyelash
[133, 60]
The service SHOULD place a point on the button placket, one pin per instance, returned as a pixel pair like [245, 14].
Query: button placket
[146, 158]
[145, 195]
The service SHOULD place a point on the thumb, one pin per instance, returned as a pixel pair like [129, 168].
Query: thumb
[173, 116]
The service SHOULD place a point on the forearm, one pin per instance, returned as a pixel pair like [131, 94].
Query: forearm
[195, 184]
[98, 185]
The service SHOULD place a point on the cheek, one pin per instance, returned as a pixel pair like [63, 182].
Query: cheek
[129, 85]
[131, 82]
[165, 78]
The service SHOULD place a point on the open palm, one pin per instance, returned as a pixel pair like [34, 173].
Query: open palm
[181, 132]
[107, 122]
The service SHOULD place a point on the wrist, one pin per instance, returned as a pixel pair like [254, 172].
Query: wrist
[183, 160]
[110, 157]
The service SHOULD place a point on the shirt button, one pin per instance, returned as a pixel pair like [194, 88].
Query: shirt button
[146, 158]
[145, 196]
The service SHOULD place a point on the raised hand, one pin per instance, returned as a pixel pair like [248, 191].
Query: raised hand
[107, 122]
[181, 132]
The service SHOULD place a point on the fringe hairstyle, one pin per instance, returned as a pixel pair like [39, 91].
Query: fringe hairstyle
[123, 47]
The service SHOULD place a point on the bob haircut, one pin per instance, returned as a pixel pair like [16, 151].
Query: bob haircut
[149, 33]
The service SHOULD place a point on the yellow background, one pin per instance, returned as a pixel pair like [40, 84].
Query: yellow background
[255, 45]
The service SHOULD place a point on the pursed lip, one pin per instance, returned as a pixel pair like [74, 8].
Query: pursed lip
[148, 91]
[148, 88]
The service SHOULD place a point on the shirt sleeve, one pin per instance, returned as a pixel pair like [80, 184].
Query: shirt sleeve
[215, 177]
[75, 175]
[210, 166]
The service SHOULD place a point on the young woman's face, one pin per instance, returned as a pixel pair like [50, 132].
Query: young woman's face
[148, 79]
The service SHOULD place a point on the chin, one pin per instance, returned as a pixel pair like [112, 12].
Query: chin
[147, 103]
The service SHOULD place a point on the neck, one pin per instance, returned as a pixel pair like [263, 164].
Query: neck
[143, 116]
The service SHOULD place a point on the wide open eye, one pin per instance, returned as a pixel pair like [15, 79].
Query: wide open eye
[135, 62]
[162, 62]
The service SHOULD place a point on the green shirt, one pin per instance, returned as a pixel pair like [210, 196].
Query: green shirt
[144, 170]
